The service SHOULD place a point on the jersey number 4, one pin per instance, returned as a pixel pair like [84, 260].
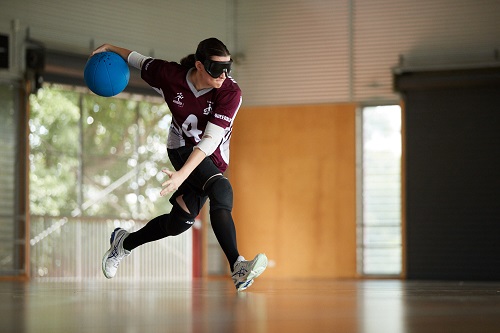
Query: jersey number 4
[190, 127]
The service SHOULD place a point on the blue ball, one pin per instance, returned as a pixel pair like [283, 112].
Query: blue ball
[106, 74]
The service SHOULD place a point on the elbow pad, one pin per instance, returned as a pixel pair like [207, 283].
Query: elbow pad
[136, 59]
[211, 139]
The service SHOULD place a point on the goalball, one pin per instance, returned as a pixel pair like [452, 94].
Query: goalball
[106, 74]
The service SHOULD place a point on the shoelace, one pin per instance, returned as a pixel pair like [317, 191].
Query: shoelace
[115, 256]
[241, 272]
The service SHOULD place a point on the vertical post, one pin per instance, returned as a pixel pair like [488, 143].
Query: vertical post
[351, 50]
[137, 263]
[359, 192]
[78, 229]
[22, 183]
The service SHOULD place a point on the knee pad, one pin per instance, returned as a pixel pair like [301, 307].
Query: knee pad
[179, 221]
[193, 201]
[221, 194]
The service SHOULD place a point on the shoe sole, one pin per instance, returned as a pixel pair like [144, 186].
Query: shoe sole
[103, 266]
[244, 285]
[258, 267]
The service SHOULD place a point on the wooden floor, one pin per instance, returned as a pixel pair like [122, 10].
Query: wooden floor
[384, 306]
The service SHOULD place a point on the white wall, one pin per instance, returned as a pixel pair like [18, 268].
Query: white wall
[317, 51]
[287, 51]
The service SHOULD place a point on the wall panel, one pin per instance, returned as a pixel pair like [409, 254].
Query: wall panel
[304, 52]
[426, 33]
[294, 182]
[293, 52]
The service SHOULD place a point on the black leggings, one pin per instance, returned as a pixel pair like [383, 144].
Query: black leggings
[195, 190]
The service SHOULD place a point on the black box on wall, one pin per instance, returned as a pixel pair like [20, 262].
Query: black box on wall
[35, 59]
[4, 51]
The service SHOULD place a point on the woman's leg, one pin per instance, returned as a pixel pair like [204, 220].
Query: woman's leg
[220, 192]
[172, 224]
[225, 232]
[152, 231]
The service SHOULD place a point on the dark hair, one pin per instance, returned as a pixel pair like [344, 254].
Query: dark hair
[206, 48]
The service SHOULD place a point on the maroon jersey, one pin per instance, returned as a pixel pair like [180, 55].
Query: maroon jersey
[192, 109]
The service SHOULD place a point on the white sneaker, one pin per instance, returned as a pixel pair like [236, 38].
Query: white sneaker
[245, 271]
[115, 254]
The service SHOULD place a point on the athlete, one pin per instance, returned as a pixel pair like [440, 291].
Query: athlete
[204, 101]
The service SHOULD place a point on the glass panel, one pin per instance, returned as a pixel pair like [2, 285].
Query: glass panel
[124, 146]
[9, 244]
[53, 152]
[381, 191]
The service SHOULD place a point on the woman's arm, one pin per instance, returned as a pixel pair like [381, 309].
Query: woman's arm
[133, 58]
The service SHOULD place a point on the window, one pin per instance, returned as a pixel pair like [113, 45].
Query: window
[379, 192]
[95, 165]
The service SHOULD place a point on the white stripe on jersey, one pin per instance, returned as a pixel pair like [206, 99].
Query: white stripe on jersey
[224, 146]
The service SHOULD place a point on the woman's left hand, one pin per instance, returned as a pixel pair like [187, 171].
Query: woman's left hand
[178, 177]
[173, 183]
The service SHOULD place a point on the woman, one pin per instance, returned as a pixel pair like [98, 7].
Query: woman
[204, 101]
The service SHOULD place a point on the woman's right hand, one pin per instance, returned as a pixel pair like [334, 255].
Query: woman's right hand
[112, 48]
[102, 48]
